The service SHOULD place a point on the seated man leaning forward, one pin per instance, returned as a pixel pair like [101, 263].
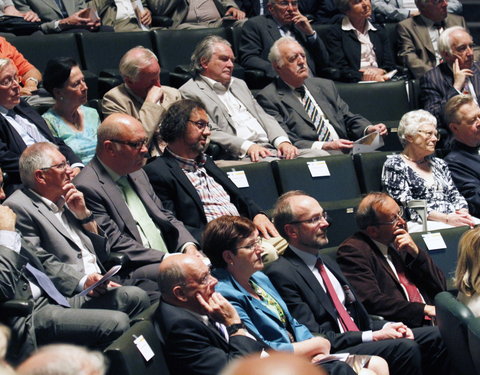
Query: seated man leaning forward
[201, 329]
[239, 124]
[310, 109]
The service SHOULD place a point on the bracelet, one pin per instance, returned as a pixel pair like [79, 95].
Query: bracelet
[87, 219]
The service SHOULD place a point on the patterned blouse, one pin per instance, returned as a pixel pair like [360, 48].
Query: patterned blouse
[82, 143]
[404, 184]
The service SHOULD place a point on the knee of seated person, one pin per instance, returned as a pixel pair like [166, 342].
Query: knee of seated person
[120, 324]
[131, 300]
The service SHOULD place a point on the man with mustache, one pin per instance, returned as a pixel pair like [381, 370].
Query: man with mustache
[457, 74]
[329, 126]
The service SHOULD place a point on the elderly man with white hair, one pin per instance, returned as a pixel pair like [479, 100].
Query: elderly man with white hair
[457, 74]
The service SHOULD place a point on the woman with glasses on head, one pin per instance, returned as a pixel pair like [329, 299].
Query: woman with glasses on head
[69, 119]
[417, 174]
[233, 245]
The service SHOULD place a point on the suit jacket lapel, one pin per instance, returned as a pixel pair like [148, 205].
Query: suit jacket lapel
[290, 100]
[422, 31]
[30, 115]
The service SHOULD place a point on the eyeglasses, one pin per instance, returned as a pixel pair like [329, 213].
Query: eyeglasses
[395, 221]
[9, 81]
[430, 134]
[313, 220]
[206, 279]
[61, 166]
[253, 245]
[136, 145]
[201, 125]
[285, 4]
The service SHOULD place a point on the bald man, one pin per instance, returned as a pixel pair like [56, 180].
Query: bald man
[123, 201]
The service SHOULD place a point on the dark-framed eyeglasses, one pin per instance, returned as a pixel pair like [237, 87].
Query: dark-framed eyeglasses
[201, 125]
[313, 220]
[61, 166]
[136, 145]
[395, 221]
[258, 242]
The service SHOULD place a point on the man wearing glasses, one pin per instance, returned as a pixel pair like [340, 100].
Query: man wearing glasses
[21, 126]
[320, 297]
[259, 33]
[391, 275]
[124, 203]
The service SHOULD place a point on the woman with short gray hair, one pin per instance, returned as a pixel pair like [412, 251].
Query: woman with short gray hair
[417, 174]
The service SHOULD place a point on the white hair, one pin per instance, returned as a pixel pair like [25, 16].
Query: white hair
[411, 122]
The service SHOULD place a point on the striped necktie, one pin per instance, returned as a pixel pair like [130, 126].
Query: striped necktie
[317, 118]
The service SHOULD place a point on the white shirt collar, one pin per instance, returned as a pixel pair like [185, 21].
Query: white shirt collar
[347, 26]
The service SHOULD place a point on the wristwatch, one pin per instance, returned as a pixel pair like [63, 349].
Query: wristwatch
[234, 328]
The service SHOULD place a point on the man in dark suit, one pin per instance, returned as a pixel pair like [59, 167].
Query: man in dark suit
[462, 115]
[285, 97]
[123, 202]
[391, 275]
[201, 330]
[457, 74]
[188, 182]
[320, 297]
[21, 126]
[259, 33]
[23, 270]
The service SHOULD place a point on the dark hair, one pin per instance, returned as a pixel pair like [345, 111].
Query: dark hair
[57, 73]
[367, 209]
[174, 121]
[225, 233]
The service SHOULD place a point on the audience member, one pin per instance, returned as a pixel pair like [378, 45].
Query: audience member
[198, 14]
[52, 215]
[69, 119]
[319, 296]
[393, 278]
[239, 124]
[28, 76]
[141, 95]
[468, 268]
[21, 126]
[189, 183]
[201, 330]
[418, 35]
[417, 174]
[123, 15]
[399, 10]
[32, 274]
[310, 109]
[7, 8]
[61, 15]
[284, 19]
[358, 49]
[123, 201]
[276, 364]
[64, 359]
[463, 118]
[234, 248]
[457, 74]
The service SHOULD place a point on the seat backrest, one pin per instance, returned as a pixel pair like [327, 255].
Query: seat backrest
[381, 101]
[175, 47]
[103, 51]
[453, 318]
[342, 184]
[261, 184]
[445, 259]
[126, 359]
[39, 49]
[474, 341]
[369, 170]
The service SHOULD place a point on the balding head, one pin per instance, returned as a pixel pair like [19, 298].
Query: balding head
[121, 143]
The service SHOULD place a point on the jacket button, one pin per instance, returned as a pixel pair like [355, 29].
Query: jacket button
[25, 286]
[79, 256]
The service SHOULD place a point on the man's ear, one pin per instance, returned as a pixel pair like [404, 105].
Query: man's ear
[179, 294]
[39, 177]
[453, 127]
[372, 231]
[290, 230]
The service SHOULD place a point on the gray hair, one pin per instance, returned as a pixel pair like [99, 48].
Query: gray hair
[134, 60]
[411, 122]
[445, 40]
[4, 63]
[204, 51]
[274, 55]
[170, 277]
[342, 5]
[64, 359]
[35, 157]
[366, 214]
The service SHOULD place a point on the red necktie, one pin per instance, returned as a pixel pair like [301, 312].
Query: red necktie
[412, 291]
[345, 319]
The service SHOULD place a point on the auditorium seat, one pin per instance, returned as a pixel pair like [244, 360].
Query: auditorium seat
[474, 342]
[369, 170]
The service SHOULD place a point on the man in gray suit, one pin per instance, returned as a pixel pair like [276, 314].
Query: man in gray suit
[418, 35]
[123, 201]
[285, 100]
[239, 124]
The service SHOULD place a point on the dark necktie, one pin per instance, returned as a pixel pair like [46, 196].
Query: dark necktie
[47, 285]
[62, 8]
[345, 319]
[412, 291]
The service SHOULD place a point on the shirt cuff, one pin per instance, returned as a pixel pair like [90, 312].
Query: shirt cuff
[317, 145]
[77, 165]
[182, 249]
[366, 129]
[244, 147]
[367, 336]
[279, 140]
[312, 37]
[81, 283]
[11, 240]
